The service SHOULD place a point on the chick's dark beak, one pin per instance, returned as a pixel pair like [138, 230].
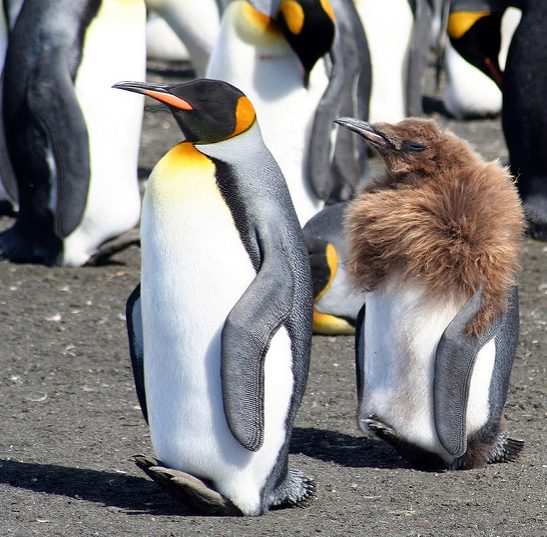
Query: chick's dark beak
[367, 130]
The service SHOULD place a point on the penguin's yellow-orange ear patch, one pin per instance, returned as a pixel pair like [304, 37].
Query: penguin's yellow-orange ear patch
[293, 14]
[245, 115]
[327, 8]
[459, 22]
[169, 99]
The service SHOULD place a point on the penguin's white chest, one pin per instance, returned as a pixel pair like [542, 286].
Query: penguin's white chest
[401, 333]
[194, 270]
[114, 50]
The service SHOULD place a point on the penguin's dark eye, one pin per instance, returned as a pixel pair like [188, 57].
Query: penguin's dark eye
[412, 146]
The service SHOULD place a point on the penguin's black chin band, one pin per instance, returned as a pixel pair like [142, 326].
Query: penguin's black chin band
[364, 129]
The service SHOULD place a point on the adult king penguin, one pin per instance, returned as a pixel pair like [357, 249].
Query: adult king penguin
[220, 327]
[271, 49]
[435, 244]
[72, 143]
[524, 116]
[479, 32]
[336, 300]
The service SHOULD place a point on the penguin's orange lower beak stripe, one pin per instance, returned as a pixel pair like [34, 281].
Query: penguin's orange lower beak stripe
[167, 98]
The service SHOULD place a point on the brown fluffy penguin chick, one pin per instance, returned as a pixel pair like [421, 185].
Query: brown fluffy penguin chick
[440, 215]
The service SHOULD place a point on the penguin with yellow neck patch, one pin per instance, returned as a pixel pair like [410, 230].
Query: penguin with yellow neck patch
[301, 62]
[220, 326]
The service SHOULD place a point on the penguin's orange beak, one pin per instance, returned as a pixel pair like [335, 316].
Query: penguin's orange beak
[156, 91]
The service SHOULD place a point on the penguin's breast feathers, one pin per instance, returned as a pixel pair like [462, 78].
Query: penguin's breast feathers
[183, 175]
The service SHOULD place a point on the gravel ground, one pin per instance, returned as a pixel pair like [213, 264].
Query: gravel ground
[71, 420]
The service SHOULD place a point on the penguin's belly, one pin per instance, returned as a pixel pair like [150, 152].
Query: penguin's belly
[402, 330]
[194, 270]
[114, 50]
[261, 63]
[388, 26]
[469, 92]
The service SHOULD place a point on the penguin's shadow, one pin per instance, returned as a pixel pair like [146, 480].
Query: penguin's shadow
[344, 449]
[133, 495]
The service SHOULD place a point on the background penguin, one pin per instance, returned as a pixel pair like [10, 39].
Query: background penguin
[437, 336]
[479, 34]
[398, 35]
[220, 329]
[196, 24]
[76, 173]
[336, 300]
[271, 50]
[524, 115]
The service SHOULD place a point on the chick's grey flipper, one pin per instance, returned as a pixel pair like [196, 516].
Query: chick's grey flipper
[246, 336]
[52, 98]
[454, 362]
[348, 92]
[136, 344]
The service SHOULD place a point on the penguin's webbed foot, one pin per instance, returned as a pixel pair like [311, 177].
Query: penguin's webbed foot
[296, 490]
[187, 488]
[113, 246]
[415, 455]
[536, 216]
[18, 247]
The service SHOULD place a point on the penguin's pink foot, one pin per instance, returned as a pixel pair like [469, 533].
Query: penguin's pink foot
[186, 488]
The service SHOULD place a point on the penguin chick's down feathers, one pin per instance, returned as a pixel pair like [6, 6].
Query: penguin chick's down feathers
[440, 215]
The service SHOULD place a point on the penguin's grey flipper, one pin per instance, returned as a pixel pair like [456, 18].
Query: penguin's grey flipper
[418, 55]
[187, 488]
[360, 352]
[455, 358]
[52, 98]
[348, 92]
[246, 336]
[296, 490]
[136, 345]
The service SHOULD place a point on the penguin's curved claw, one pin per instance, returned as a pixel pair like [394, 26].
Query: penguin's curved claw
[186, 488]
[505, 449]
[297, 490]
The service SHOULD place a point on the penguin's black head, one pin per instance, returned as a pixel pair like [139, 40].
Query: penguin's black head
[476, 36]
[412, 148]
[206, 110]
[308, 26]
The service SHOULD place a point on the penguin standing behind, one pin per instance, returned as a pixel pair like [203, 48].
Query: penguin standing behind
[272, 50]
[336, 300]
[480, 32]
[524, 115]
[398, 35]
[220, 326]
[435, 243]
[196, 24]
[73, 145]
